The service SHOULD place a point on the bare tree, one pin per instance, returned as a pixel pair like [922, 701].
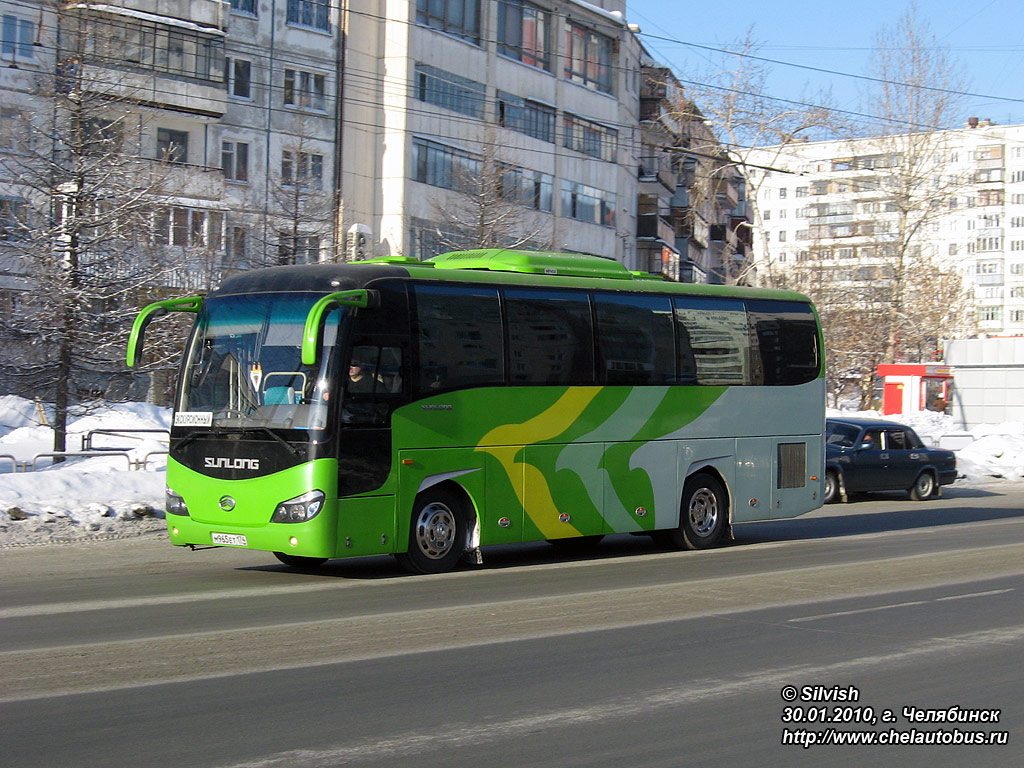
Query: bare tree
[916, 97]
[82, 232]
[490, 203]
[299, 220]
[737, 131]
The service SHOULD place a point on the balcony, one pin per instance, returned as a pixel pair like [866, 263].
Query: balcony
[151, 58]
[657, 169]
[654, 226]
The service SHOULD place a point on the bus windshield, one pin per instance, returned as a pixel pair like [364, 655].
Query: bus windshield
[243, 368]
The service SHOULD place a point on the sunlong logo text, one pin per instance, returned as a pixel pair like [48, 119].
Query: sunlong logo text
[220, 462]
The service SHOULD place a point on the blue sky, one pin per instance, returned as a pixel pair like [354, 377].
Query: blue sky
[986, 37]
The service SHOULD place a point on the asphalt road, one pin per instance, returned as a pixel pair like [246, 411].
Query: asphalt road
[136, 653]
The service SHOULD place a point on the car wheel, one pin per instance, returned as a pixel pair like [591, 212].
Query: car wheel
[297, 561]
[437, 534]
[831, 487]
[924, 487]
[703, 515]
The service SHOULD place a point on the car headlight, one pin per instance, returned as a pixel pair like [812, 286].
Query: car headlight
[175, 505]
[300, 509]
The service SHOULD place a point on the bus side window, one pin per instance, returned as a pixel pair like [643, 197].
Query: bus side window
[459, 337]
[634, 339]
[373, 384]
[714, 343]
[550, 337]
[786, 336]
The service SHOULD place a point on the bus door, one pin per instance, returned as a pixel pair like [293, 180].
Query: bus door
[372, 387]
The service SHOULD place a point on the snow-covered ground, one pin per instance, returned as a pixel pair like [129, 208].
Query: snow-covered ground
[82, 497]
[101, 497]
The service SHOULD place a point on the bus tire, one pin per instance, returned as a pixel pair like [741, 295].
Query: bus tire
[703, 514]
[924, 487]
[298, 561]
[437, 533]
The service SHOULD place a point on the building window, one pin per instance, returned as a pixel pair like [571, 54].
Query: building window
[442, 166]
[525, 116]
[990, 197]
[588, 204]
[310, 13]
[244, 6]
[234, 159]
[171, 146]
[13, 224]
[524, 33]
[297, 249]
[530, 188]
[990, 314]
[238, 77]
[235, 246]
[188, 227]
[456, 17]
[18, 36]
[589, 137]
[588, 57]
[451, 91]
[12, 131]
[304, 90]
[302, 168]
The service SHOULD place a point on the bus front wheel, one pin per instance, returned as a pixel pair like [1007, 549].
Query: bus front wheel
[703, 515]
[437, 534]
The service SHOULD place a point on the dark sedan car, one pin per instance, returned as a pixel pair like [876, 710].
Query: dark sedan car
[863, 455]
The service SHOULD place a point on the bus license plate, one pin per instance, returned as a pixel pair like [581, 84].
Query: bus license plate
[230, 539]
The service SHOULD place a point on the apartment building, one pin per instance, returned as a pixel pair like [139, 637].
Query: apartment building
[305, 130]
[831, 204]
[434, 90]
[691, 210]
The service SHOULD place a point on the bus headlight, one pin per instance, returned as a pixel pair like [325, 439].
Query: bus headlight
[175, 505]
[300, 509]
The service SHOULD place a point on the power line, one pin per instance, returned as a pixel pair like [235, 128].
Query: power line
[880, 80]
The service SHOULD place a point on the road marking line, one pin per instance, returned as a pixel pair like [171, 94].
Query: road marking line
[898, 605]
[858, 610]
[406, 746]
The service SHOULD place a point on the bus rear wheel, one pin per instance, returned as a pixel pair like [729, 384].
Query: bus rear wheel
[298, 561]
[437, 534]
[703, 515]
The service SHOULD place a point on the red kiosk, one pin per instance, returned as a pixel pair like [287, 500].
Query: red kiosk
[913, 387]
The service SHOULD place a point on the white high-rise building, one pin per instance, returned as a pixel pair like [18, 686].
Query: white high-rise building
[827, 203]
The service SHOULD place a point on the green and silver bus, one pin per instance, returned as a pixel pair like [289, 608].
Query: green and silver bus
[428, 409]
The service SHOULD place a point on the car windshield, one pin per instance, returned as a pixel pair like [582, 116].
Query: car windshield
[841, 435]
[244, 367]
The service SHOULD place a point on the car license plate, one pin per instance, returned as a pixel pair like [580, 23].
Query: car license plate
[230, 539]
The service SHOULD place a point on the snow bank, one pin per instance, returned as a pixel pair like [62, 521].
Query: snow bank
[81, 497]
